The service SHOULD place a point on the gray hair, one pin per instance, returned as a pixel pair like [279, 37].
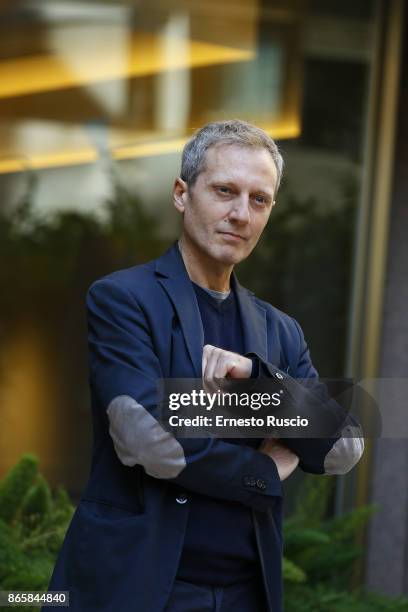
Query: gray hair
[217, 133]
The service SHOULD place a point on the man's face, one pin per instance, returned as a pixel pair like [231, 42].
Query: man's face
[229, 205]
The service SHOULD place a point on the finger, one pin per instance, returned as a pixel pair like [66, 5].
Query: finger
[224, 365]
[203, 363]
[212, 362]
[208, 377]
[235, 370]
[206, 357]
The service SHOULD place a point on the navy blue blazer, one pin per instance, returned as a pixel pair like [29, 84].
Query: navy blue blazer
[122, 548]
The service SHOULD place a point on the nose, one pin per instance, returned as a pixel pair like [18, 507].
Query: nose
[239, 211]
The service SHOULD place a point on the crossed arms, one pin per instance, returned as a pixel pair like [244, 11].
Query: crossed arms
[124, 370]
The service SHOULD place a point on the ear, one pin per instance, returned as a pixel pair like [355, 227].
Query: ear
[180, 194]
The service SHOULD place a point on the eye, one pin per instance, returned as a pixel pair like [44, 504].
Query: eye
[223, 189]
[260, 199]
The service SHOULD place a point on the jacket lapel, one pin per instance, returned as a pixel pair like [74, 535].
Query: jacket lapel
[253, 318]
[174, 279]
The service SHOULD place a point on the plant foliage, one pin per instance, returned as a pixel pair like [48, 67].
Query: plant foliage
[319, 551]
[33, 522]
[322, 551]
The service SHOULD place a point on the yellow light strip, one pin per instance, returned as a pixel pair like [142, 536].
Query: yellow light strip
[145, 55]
[51, 160]
[149, 149]
[281, 131]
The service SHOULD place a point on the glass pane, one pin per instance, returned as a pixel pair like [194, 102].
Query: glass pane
[96, 102]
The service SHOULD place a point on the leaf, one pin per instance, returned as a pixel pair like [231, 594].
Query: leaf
[298, 539]
[292, 573]
[347, 526]
[313, 499]
[37, 503]
[15, 486]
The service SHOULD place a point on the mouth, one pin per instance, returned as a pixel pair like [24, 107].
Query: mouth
[233, 236]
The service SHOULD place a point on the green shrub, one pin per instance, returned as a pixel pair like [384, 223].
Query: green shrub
[323, 552]
[15, 485]
[319, 552]
[33, 523]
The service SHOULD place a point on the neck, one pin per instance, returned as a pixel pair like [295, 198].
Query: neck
[203, 270]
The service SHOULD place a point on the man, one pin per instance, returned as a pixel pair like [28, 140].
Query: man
[190, 524]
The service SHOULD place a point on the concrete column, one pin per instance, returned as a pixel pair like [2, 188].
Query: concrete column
[387, 546]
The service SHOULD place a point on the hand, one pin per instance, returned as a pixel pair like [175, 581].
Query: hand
[217, 363]
[286, 461]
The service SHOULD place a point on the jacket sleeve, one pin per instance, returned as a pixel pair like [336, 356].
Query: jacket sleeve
[124, 371]
[336, 454]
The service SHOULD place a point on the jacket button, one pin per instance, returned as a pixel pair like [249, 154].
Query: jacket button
[181, 499]
[261, 484]
[279, 375]
[249, 481]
